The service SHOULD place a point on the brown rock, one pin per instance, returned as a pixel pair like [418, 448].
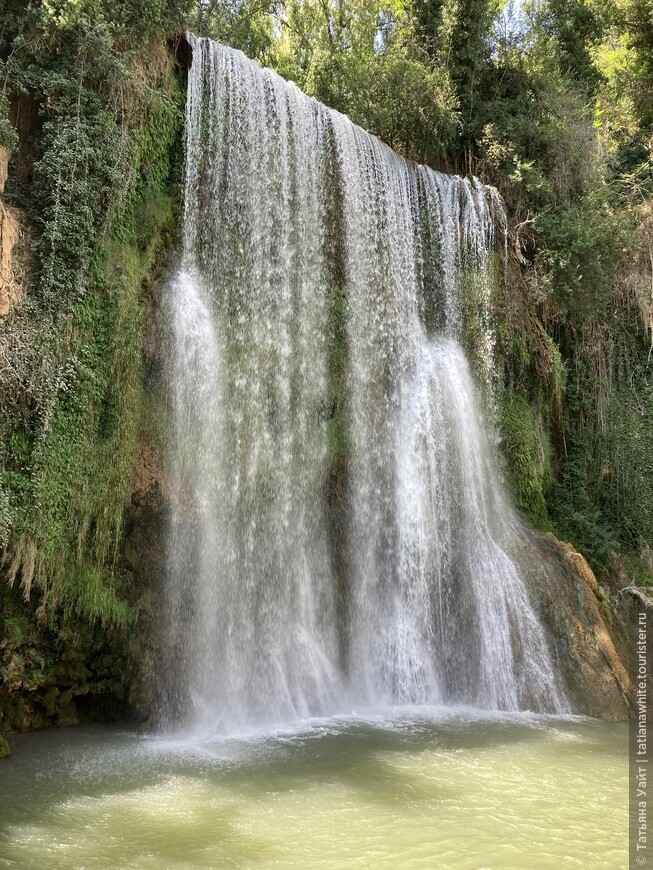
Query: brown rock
[583, 628]
[11, 291]
[5, 154]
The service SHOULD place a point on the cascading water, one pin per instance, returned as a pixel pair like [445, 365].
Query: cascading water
[338, 535]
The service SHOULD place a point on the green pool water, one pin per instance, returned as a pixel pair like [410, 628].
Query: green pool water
[405, 789]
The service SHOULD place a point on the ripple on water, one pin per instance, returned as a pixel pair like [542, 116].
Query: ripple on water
[409, 789]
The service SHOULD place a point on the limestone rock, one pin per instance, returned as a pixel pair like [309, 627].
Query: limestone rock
[11, 291]
[589, 642]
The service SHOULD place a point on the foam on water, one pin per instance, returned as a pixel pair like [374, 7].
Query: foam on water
[409, 788]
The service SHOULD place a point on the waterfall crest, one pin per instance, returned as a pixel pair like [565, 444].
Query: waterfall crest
[338, 535]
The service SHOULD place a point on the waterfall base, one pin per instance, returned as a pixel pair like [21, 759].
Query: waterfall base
[591, 656]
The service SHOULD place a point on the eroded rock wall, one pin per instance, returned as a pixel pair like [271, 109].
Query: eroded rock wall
[11, 290]
[587, 631]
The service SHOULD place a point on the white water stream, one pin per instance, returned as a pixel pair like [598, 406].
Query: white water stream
[339, 537]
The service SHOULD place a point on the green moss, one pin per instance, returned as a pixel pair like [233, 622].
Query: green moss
[476, 291]
[526, 456]
[5, 751]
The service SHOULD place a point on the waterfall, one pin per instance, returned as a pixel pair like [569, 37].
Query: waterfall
[338, 536]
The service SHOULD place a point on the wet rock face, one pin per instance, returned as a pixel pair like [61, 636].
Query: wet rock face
[588, 639]
[143, 554]
[143, 549]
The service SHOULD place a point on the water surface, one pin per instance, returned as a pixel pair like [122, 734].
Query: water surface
[413, 788]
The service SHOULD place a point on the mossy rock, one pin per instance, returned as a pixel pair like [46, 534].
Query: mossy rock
[5, 751]
[526, 458]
